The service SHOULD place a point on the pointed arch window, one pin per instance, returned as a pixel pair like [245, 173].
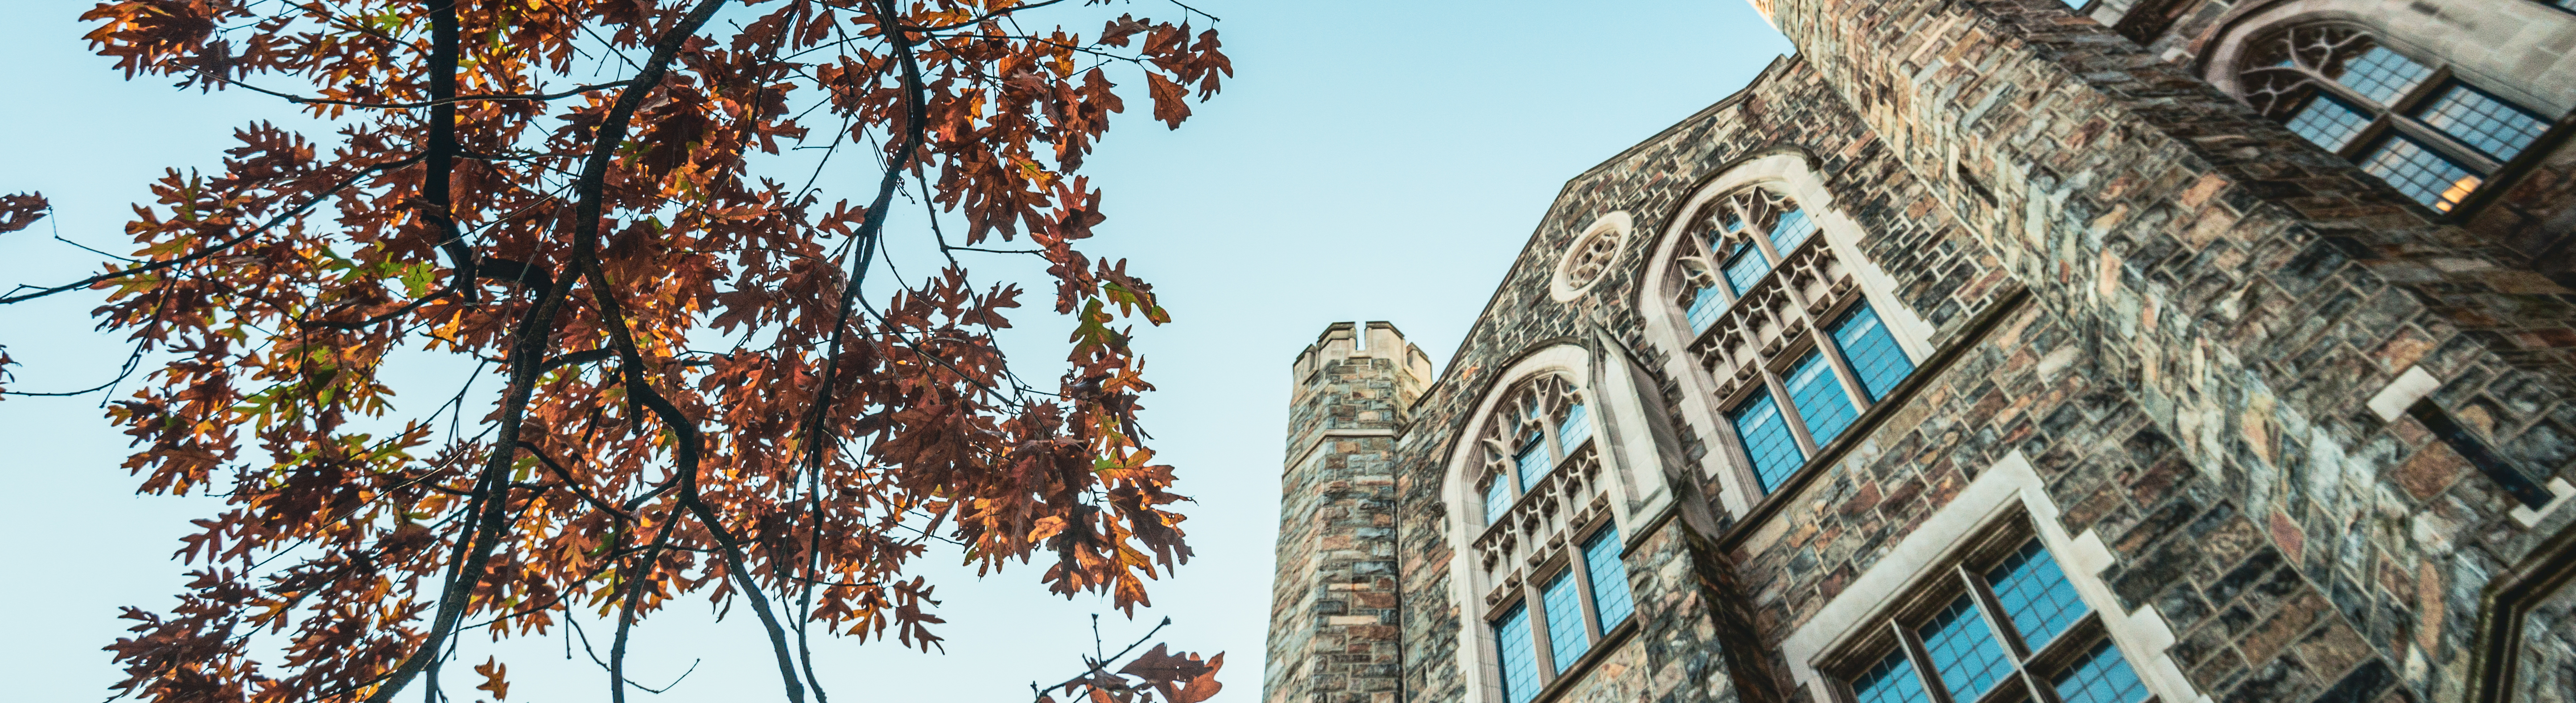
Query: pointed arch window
[1553, 584]
[2404, 118]
[1797, 351]
[1539, 426]
[1738, 241]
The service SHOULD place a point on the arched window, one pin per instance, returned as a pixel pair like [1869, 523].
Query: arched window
[1739, 239]
[1795, 350]
[2405, 118]
[1540, 426]
[1552, 582]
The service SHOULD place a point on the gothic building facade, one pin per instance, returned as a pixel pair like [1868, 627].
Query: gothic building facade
[1994, 351]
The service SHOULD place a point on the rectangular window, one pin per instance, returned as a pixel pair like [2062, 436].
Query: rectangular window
[1892, 680]
[1791, 231]
[2421, 173]
[2035, 594]
[2495, 127]
[2328, 123]
[2007, 583]
[1532, 460]
[1704, 307]
[1964, 650]
[2382, 75]
[1766, 440]
[1871, 351]
[1566, 639]
[1498, 498]
[1744, 268]
[2100, 677]
[1610, 600]
[1518, 654]
[1819, 398]
[1576, 428]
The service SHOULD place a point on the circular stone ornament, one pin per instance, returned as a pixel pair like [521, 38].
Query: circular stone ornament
[1591, 255]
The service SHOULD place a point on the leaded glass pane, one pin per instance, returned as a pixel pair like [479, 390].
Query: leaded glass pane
[2328, 123]
[1532, 461]
[1892, 680]
[1704, 308]
[1519, 655]
[2480, 120]
[1820, 398]
[1872, 352]
[1792, 229]
[1745, 268]
[2415, 170]
[1964, 651]
[2035, 594]
[1766, 439]
[2382, 75]
[1565, 637]
[2100, 677]
[1610, 598]
[1576, 428]
[1498, 498]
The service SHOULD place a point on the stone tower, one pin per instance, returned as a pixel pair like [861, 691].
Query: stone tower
[1333, 617]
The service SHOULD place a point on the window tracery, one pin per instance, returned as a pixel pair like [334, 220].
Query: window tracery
[1775, 317]
[2405, 118]
[1589, 257]
[1553, 582]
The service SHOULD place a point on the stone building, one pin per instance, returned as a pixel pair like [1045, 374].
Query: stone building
[1994, 351]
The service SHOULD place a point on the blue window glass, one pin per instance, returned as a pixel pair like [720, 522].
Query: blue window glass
[1532, 460]
[2100, 677]
[1872, 352]
[1576, 428]
[1891, 680]
[1565, 637]
[2328, 123]
[1819, 398]
[1704, 307]
[1519, 655]
[2035, 594]
[2480, 120]
[1792, 229]
[1498, 498]
[1964, 651]
[2417, 171]
[1766, 439]
[1609, 577]
[1744, 267]
[2382, 75]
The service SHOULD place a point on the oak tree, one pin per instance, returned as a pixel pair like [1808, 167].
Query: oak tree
[683, 385]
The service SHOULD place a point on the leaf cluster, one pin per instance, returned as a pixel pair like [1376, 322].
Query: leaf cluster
[681, 385]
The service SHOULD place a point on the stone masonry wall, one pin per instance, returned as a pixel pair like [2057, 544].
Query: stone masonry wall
[1333, 637]
[2251, 293]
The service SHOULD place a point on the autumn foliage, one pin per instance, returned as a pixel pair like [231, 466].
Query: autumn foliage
[680, 388]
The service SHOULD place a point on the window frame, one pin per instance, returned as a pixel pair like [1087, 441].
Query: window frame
[1963, 572]
[1507, 471]
[2396, 116]
[1567, 562]
[1774, 375]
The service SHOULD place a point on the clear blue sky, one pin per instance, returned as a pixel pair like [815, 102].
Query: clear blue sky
[1370, 160]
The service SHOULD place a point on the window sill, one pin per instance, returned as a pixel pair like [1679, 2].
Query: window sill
[1762, 511]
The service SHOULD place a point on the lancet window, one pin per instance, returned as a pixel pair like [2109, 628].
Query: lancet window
[1795, 349]
[1550, 555]
[2002, 624]
[2404, 118]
